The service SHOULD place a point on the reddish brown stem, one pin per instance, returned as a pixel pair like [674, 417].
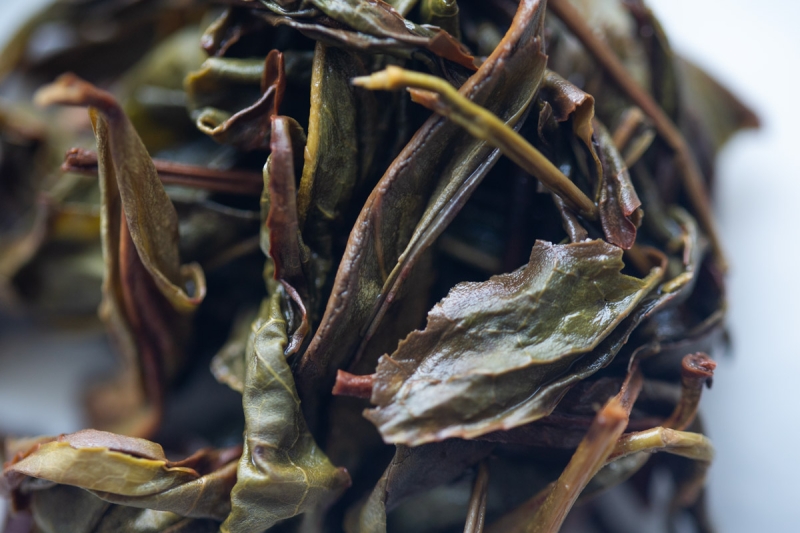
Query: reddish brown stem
[348, 384]
[696, 371]
[226, 181]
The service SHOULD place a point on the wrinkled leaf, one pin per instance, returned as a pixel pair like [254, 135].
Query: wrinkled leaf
[132, 472]
[490, 348]
[64, 508]
[248, 128]
[282, 472]
[376, 25]
[411, 471]
[619, 204]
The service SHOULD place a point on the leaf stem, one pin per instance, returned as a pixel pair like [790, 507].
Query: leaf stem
[437, 94]
[242, 182]
[476, 515]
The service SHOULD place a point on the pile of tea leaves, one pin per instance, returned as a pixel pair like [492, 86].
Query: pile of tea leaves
[452, 264]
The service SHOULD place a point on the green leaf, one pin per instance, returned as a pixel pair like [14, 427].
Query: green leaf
[282, 472]
[490, 349]
[247, 128]
[371, 25]
[331, 169]
[132, 472]
[68, 509]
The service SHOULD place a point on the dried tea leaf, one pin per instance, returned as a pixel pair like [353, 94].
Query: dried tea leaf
[132, 472]
[65, 508]
[331, 168]
[618, 203]
[373, 24]
[490, 348]
[282, 472]
[248, 128]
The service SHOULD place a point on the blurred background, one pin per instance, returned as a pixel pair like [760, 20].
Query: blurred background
[754, 49]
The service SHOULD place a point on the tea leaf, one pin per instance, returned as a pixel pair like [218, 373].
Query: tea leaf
[282, 472]
[490, 349]
[146, 303]
[414, 470]
[132, 472]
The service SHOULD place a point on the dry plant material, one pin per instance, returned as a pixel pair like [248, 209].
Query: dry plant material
[456, 260]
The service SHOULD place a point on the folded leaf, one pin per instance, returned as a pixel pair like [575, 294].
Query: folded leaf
[490, 348]
[248, 128]
[132, 472]
[290, 257]
[282, 472]
[382, 26]
[64, 508]
[618, 204]
[147, 301]
[331, 169]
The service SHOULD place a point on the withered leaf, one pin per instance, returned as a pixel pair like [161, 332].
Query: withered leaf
[618, 203]
[290, 257]
[490, 348]
[282, 472]
[375, 24]
[411, 471]
[331, 168]
[65, 508]
[132, 472]
[147, 301]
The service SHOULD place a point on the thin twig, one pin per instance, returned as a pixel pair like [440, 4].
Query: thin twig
[226, 181]
[476, 515]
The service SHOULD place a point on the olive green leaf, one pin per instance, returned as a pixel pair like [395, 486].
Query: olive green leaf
[147, 301]
[440, 166]
[282, 472]
[133, 472]
[334, 158]
[371, 25]
[490, 349]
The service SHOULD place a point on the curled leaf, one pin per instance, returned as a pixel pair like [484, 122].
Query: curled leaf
[248, 128]
[148, 295]
[282, 472]
[619, 204]
[132, 472]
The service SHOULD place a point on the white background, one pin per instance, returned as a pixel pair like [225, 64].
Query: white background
[753, 47]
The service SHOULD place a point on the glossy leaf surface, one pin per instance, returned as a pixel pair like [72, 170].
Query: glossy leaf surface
[489, 347]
